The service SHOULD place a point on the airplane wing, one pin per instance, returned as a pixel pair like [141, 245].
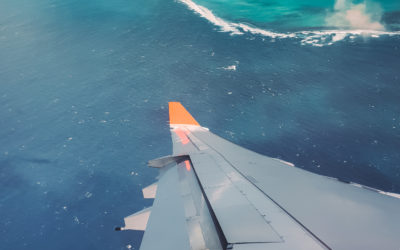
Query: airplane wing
[213, 194]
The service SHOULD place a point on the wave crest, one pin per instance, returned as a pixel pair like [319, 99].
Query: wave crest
[314, 38]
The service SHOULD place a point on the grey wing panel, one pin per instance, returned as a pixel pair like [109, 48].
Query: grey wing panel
[239, 220]
[180, 218]
[340, 215]
[245, 215]
[166, 228]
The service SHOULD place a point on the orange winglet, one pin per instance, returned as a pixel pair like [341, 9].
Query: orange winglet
[179, 115]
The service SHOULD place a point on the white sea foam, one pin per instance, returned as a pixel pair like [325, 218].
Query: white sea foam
[231, 68]
[225, 26]
[357, 23]
[338, 36]
[267, 33]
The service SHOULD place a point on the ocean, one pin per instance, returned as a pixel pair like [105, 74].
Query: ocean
[85, 86]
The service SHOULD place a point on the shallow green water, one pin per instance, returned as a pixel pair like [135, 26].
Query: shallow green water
[292, 14]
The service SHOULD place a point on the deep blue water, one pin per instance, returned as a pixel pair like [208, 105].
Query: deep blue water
[84, 87]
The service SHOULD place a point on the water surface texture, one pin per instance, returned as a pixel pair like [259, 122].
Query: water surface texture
[85, 85]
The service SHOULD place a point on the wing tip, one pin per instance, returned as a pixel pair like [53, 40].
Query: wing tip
[179, 115]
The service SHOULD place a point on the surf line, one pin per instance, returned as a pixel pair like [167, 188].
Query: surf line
[314, 38]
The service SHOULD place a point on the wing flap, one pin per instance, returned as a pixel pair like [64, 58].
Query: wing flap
[166, 228]
[239, 220]
[180, 217]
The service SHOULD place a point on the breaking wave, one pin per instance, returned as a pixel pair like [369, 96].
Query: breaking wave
[353, 20]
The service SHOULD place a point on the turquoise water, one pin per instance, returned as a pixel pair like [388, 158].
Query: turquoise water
[297, 15]
[84, 87]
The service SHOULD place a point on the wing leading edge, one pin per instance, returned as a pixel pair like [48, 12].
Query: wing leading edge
[213, 194]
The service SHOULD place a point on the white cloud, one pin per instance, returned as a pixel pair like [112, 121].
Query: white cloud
[347, 15]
